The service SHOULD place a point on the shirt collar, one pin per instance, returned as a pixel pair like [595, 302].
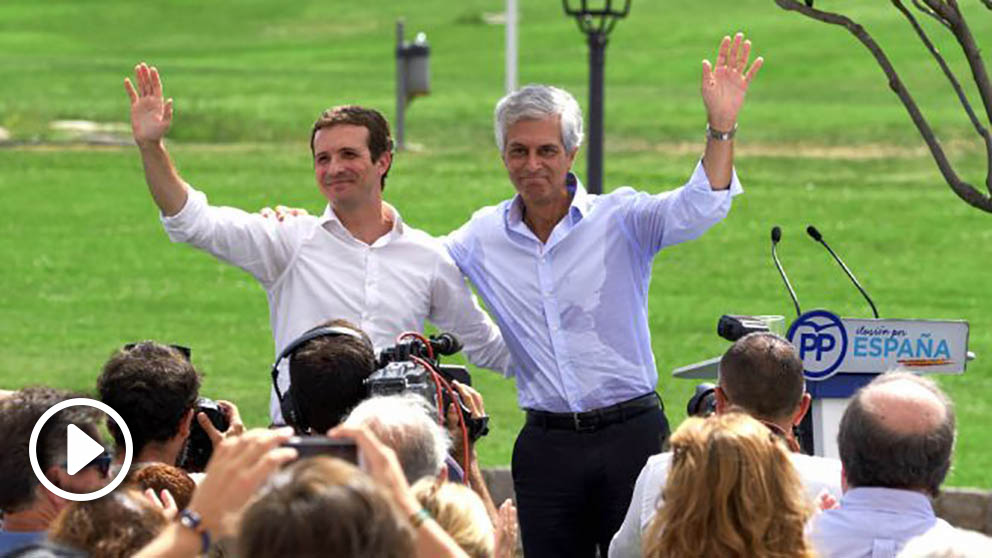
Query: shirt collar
[578, 208]
[905, 502]
[329, 221]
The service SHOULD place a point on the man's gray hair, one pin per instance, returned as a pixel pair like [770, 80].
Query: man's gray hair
[405, 424]
[537, 102]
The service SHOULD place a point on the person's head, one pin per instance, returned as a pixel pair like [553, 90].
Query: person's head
[20, 490]
[404, 423]
[460, 512]
[154, 388]
[761, 374]
[115, 526]
[352, 153]
[897, 432]
[159, 477]
[323, 507]
[538, 132]
[327, 374]
[731, 491]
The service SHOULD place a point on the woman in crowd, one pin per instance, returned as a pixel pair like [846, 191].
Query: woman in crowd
[731, 492]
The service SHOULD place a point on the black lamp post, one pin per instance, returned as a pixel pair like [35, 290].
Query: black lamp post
[596, 19]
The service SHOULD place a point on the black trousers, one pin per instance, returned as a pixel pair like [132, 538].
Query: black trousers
[573, 487]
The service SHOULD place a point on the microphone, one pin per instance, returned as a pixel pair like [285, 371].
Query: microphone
[445, 344]
[776, 237]
[815, 235]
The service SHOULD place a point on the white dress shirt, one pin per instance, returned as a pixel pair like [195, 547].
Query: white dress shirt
[816, 473]
[875, 523]
[314, 270]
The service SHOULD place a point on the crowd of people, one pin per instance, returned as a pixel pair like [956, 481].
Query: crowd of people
[343, 471]
[730, 484]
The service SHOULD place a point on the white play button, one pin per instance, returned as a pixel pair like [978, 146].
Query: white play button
[81, 449]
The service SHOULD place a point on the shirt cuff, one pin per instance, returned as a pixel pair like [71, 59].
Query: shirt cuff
[177, 225]
[704, 198]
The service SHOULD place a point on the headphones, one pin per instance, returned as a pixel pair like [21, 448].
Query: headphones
[287, 404]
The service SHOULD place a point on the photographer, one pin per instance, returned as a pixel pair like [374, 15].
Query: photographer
[155, 389]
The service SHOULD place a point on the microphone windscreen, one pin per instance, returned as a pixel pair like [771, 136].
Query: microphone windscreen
[815, 234]
[776, 234]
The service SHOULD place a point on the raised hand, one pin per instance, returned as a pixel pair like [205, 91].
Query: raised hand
[151, 116]
[725, 85]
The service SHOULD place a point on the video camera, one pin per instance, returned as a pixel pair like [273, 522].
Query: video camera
[411, 366]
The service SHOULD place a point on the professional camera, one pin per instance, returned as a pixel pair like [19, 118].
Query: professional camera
[703, 402]
[199, 448]
[411, 366]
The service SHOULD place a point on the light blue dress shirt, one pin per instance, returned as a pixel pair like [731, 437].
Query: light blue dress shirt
[875, 523]
[573, 311]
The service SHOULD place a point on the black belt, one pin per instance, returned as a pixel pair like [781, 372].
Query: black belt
[597, 418]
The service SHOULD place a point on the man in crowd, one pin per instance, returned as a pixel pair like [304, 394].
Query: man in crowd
[896, 439]
[28, 507]
[761, 375]
[566, 276]
[327, 376]
[155, 388]
[357, 261]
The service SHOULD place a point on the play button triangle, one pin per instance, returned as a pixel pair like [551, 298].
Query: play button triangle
[81, 449]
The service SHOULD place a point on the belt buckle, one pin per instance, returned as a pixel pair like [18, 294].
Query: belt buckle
[577, 421]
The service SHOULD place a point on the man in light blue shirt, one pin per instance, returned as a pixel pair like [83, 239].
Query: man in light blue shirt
[895, 441]
[566, 276]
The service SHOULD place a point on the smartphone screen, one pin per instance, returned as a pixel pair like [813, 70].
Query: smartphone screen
[312, 446]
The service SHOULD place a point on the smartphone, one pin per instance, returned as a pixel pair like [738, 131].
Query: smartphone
[313, 446]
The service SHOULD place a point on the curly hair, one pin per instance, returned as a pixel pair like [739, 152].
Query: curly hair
[152, 387]
[115, 526]
[731, 491]
[159, 477]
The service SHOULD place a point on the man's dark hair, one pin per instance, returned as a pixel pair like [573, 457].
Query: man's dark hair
[762, 374]
[18, 415]
[379, 141]
[327, 375]
[152, 386]
[874, 455]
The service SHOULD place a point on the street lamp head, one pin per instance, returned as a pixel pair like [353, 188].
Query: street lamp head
[596, 16]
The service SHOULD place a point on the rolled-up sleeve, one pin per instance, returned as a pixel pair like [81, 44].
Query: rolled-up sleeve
[659, 220]
[260, 246]
[455, 308]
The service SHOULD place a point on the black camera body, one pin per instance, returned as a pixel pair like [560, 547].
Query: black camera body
[199, 448]
[403, 368]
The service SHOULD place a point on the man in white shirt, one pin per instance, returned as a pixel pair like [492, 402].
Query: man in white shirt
[895, 441]
[760, 374]
[358, 261]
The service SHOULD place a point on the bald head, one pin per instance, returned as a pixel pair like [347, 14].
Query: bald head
[898, 432]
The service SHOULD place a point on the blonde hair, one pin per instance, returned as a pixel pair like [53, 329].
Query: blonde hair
[460, 512]
[731, 491]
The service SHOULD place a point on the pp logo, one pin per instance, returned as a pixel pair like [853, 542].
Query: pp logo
[821, 339]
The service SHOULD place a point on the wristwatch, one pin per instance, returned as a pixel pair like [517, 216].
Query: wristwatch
[718, 135]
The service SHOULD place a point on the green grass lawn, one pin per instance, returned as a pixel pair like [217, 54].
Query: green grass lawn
[87, 266]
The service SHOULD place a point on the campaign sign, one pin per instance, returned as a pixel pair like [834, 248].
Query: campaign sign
[822, 342]
[829, 345]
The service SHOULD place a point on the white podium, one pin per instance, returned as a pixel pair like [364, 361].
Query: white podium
[841, 355]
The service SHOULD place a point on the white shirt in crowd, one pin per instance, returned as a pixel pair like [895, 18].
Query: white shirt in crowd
[314, 270]
[816, 473]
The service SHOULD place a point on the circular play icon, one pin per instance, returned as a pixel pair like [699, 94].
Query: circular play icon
[81, 450]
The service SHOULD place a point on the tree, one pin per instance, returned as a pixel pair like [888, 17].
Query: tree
[948, 14]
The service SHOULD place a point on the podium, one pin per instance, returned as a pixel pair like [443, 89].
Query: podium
[840, 355]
